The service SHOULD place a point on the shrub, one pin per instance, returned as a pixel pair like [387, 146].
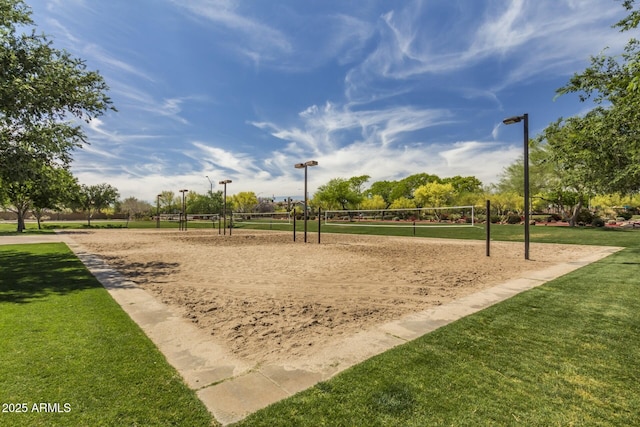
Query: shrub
[597, 222]
[626, 215]
[585, 216]
[554, 217]
[513, 219]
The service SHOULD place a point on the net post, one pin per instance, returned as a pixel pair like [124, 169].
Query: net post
[319, 223]
[294, 224]
[488, 228]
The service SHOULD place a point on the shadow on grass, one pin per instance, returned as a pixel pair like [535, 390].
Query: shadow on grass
[38, 271]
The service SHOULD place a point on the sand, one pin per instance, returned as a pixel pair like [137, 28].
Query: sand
[267, 298]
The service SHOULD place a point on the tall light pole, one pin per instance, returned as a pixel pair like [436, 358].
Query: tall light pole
[306, 214]
[184, 209]
[158, 210]
[224, 201]
[509, 121]
[210, 184]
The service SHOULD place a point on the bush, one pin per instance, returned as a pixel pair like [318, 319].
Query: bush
[554, 217]
[597, 222]
[513, 219]
[495, 219]
[626, 215]
[585, 216]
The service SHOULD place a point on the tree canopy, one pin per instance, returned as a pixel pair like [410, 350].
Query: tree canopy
[44, 93]
[606, 140]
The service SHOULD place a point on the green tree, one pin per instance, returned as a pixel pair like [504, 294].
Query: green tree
[245, 201]
[434, 194]
[383, 189]
[41, 90]
[375, 202]
[94, 198]
[464, 184]
[55, 189]
[135, 208]
[204, 203]
[574, 149]
[608, 142]
[169, 202]
[339, 192]
[403, 203]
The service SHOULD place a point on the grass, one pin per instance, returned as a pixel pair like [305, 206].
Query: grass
[562, 354]
[66, 343]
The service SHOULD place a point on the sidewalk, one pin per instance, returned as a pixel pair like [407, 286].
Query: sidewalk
[232, 388]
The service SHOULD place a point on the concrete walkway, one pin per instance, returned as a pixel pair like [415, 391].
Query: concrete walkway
[232, 388]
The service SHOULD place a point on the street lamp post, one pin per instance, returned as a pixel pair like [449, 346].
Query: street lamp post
[210, 184]
[183, 225]
[306, 214]
[511, 120]
[224, 201]
[158, 210]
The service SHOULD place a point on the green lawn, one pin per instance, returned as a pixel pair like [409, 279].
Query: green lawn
[68, 345]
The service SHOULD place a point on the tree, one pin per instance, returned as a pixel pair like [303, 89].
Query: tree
[464, 184]
[245, 201]
[403, 203]
[340, 192]
[169, 202]
[376, 202]
[407, 186]
[434, 194]
[574, 148]
[55, 189]
[41, 89]
[93, 198]
[204, 203]
[134, 207]
[46, 187]
[609, 142]
[383, 189]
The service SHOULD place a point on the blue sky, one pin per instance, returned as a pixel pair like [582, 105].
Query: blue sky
[243, 90]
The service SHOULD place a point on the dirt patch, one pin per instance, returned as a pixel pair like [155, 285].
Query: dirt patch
[269, 299]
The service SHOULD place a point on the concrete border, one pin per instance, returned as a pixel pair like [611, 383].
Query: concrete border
[232, 388]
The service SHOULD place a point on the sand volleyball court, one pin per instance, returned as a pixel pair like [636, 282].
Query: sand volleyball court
[269, 299]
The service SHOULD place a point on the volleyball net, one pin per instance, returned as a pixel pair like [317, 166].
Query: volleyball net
[262, 218]
[450, 216]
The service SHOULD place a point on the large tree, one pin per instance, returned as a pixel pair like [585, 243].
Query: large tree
[135, 208]
[608, 138]
[341, 192]
[44, 92]
[92, 199]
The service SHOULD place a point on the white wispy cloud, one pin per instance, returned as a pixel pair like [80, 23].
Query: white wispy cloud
[259, 40]
[549, 37]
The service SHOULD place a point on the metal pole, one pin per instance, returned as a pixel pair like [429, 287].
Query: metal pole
[488, 228]
[294, 225]
[224, 215]
[526, 187]
[305, 202]
[158, 211]
[319, 223]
